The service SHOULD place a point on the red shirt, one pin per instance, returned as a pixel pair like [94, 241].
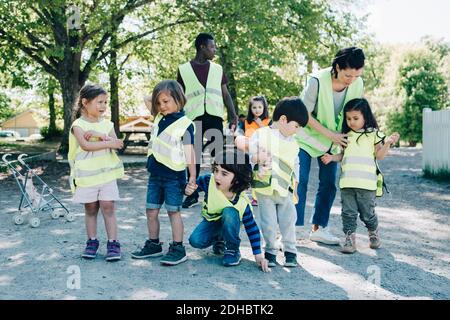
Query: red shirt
[201, 71]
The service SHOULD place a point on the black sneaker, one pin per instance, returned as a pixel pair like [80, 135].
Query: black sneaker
[190, 201]
[219, 247]
[150, 249]
[291, 260]
[271, 258]
[175, 255]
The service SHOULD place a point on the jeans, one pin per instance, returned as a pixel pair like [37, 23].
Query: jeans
[226, 228]
[164, 190]
[325, 193]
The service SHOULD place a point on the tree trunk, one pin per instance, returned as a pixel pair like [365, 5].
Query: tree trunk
[70, 88]
[232, 88]
[114, 87]
[51, 109]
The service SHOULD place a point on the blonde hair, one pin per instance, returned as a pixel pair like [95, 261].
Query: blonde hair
[173, 88]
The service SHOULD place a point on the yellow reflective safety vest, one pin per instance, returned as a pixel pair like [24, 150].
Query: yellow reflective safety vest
[358, 167]
[217, 202]
[314, 143]
[199, 98]
[91, 168]
[167, 147]
[283, 155]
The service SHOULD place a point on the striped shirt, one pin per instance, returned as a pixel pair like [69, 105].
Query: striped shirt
[251, 228]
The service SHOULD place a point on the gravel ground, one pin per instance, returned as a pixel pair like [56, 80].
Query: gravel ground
[413, 263]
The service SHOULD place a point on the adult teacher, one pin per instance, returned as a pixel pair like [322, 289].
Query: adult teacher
[325, 95]
[205, 87]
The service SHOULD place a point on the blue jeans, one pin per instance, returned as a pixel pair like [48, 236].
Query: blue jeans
[164, 190]
[226, 228]
[325, 194]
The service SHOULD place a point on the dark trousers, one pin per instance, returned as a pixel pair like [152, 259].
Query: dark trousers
[209, 127]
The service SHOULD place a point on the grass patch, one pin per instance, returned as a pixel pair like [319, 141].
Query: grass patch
[34, 147]
[438, 175]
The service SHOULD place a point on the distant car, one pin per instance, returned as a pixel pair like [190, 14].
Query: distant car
[35, 136]
[9, 134]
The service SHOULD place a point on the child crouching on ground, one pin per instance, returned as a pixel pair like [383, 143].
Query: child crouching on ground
[225, 206]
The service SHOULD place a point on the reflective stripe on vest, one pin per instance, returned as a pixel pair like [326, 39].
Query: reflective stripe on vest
[217, 202]
[250, 128]
[92, 168]
[358, 164]
[314, 143]
[167, 147]
[283, 155]
[200, 98]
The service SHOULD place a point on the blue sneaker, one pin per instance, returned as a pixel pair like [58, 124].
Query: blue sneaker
[90, 252]
[113, 251]
[231, 258]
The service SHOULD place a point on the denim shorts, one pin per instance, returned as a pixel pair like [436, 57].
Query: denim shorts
[165, 190]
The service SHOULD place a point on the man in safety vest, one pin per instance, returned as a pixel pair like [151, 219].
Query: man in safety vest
[205, 87]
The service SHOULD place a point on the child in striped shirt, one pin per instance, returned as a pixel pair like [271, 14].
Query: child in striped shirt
[225, 207]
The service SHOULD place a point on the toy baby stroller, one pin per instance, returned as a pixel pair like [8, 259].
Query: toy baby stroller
[37, 198]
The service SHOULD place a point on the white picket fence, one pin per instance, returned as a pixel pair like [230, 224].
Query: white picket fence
[436, 141]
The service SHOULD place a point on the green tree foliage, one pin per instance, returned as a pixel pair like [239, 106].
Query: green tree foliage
[5, 109]
[424, 87]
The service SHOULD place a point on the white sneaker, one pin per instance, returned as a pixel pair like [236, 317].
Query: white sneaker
[323, 235]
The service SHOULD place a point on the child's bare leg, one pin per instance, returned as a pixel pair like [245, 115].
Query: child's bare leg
[110, 219]
[153, 223]
[90, 219]
[177, 226]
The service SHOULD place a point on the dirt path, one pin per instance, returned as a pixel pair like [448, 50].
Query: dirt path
[414, 261]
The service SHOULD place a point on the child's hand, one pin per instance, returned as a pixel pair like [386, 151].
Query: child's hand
[148, 102]
[115, 143]
[326, 158]
[258, 122]
[94, 134]
[393, 139]
[190, 187]
[262, 263]
[263, 155]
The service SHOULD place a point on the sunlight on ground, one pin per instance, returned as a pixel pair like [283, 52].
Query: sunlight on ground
[148, 294]
[5, 280]
[231, 288]
[9, 244]
[354, 285]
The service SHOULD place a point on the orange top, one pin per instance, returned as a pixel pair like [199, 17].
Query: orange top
[250, 128]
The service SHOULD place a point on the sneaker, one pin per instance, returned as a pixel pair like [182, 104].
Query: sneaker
[219, 247]
[190, 201]
[374, 239]
[91, 249]
[231, 258]
[350, 243]
[271, 258]
[323, 235]
[254, 202]
[150, 249]
[290, 260]
[113, 251]
[175, 255]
